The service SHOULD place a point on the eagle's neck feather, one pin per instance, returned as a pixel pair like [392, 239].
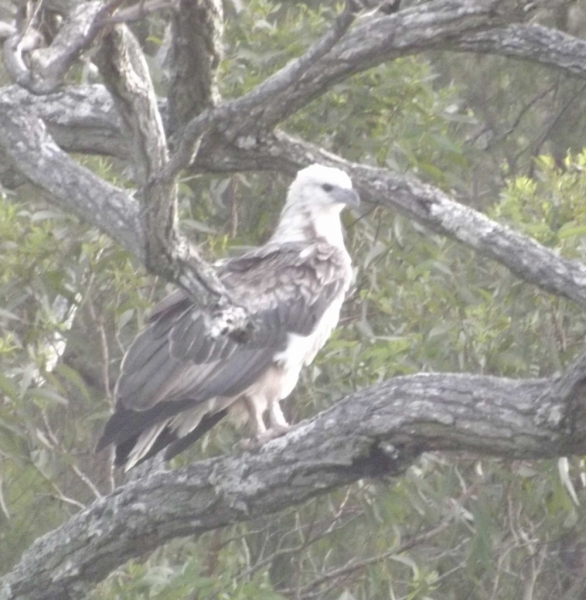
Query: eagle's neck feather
[310, 224]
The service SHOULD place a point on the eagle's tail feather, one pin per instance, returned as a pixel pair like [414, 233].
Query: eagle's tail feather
[143, 444]
[204, 426]
[133, 451]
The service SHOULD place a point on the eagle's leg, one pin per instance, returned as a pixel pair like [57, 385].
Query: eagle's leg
[279, 427]
[255, 417]
[277, 419]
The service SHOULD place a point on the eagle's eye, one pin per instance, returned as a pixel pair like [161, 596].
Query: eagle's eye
[326, 187]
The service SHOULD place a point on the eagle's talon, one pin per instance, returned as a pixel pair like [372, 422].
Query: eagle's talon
[261, 439]
[247, 444]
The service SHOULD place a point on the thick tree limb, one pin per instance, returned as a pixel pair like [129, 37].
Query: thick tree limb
[236, 117]
[31, 150]
[154, 234]
[195, 54]
[530, 42]
[447, 23]
[126, 74]
[433, 25]
[83, 119]
[166, 251]
[375, 432]
[427, 205]
[428, 26]
[326, 63]
[139, 11]
[275, 93]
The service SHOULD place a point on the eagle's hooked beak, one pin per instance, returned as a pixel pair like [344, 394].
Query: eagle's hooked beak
[348, 197]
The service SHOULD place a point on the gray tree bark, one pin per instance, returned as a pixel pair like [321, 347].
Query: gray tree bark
[373, 433]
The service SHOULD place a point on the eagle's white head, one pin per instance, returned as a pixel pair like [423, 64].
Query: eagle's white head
[324, 187]
[315, 200]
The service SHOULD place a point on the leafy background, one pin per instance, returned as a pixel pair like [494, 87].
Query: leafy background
[501, 136]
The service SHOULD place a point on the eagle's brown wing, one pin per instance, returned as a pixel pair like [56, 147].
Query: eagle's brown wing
[174, 365]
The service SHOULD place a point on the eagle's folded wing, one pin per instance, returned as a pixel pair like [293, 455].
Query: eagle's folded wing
[174, 366]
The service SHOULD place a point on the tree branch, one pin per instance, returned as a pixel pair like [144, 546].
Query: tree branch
[239, 113]
[375, 432]
[139, 11]
[432, 25]
[423, 203]
[51, 64]
[32, 152]
[166, 251]
[534, 43]
[195, 54]
[275, 93]
[82, 119]
[443, 24]
[447, 23]
[126, 74]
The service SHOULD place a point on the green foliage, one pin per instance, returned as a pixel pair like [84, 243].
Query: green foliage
[52, 271]
[391, 115]
[453, 526]
[550, 207]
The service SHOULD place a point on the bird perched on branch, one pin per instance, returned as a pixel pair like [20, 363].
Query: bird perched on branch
[177, 381]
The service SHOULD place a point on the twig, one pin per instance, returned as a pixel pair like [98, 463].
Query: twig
[353, 564]
[520, 116]
[103, 346]
[65, 499]
[31, 18]
[333, 528]
[89, 483]
[59, 446]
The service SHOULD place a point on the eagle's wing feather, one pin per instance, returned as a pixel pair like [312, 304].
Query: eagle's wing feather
[174, 365]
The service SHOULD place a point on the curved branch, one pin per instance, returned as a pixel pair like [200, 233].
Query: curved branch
[533, 43]
[32, 152]
[240, 114]
[375, 432]
[436, 25]
[80, 119]
[446, 24]
[270, 102]
[166, 251]
[439, 24]
[423, 203]
[125, 71]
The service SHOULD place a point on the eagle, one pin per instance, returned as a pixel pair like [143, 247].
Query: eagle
[177, 380]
